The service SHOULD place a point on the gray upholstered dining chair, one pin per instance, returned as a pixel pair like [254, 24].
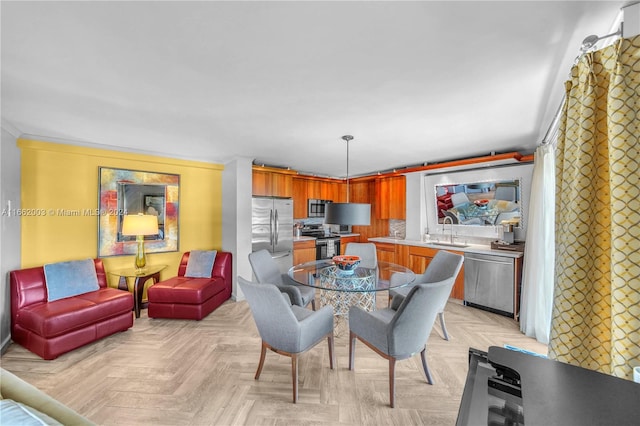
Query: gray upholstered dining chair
[459, 198]
[266, 271]
[368, 259]
[444, 267]
[507, 193]
[284, 328]
[401, 330]
[366, 251]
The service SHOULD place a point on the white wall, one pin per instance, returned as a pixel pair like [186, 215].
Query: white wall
[421, 207]
[415, 206]
[631, 20]
[236, 218]
[10, 245]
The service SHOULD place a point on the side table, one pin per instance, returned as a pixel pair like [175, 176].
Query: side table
[140, 276]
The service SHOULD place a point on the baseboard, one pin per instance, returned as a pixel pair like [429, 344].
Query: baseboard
[5, 345]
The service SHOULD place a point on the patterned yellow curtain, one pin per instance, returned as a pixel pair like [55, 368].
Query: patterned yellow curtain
[596, 313]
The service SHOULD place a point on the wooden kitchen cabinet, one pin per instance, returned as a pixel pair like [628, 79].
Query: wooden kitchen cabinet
[299, 186]
[386, 252]
[390, 196]
[324, 189]
[314, 189]
[304, 251]
[335, 191]
[271, 183]
[346, 240]
[419, 258]
[305, 188]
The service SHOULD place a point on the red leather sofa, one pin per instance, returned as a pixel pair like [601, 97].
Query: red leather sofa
[191, 298]
[50, 329]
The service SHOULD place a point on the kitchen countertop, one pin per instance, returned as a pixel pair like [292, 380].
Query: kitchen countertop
[470, 248]
[305, 238]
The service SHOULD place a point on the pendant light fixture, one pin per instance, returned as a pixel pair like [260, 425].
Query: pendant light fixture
[348, 213]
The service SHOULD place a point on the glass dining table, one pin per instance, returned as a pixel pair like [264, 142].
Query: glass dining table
[341, 289]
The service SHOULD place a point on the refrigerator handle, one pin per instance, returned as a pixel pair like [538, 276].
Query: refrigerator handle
[277, 227]
[271, 227]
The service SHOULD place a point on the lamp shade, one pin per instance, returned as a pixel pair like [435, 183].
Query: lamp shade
[139, 224]
[348, 214]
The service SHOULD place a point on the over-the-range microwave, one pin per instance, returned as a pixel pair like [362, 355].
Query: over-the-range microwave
[316, 208]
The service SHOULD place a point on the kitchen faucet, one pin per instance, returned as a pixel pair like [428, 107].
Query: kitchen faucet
[444, 222]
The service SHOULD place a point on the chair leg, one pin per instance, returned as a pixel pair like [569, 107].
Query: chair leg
[294, 374]
[263, 353]
[313, 304]
[352, 349]
[423, 355]
[331, 351]
[389, 300]
[443, 325]
[392, 381]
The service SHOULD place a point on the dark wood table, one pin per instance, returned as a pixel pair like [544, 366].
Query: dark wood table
[140, 277]
[552, 392]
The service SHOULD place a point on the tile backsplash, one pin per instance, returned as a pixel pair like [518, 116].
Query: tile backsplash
[397, 228]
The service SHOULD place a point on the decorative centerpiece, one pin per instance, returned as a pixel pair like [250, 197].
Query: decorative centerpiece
[346, 264]
[481, 203]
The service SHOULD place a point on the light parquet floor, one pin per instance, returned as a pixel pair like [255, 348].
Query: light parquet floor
[174, 372]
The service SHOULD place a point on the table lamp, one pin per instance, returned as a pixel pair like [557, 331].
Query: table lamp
[140, 225]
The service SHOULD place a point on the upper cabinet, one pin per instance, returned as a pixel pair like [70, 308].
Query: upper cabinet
[272, 183]
[325, 189]
[386, 195]
[390, 198]
[300, 192]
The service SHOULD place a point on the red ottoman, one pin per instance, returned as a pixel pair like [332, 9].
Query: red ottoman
[191, 298]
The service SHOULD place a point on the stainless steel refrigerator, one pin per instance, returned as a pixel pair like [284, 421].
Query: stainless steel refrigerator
[272, 229]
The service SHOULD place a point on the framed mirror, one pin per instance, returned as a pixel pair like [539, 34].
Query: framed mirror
[123, 192]
[478, 203]
[149, 199]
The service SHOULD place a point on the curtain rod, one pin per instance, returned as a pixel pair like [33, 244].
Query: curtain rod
[553, 127]
[592, 40]
[588, 43]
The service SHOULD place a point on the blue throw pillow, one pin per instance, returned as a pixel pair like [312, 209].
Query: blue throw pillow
[200, 263]
[67, 279]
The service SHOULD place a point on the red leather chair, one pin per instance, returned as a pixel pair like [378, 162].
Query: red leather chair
[444, 203]
[50, 329]
[191, 298]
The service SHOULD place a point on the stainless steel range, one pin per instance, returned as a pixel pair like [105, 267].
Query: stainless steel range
[327, 244]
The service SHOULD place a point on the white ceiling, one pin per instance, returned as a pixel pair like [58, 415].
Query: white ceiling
[281, 82]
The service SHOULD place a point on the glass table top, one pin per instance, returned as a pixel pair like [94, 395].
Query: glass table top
[469, 210]
[325, 275]
[133, 272]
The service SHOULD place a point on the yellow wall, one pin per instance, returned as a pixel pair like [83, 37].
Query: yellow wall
[58, 176]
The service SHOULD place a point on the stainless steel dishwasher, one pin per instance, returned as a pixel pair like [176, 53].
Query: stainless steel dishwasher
[489, 282]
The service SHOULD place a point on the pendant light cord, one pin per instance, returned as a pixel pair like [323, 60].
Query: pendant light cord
[347, 138]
